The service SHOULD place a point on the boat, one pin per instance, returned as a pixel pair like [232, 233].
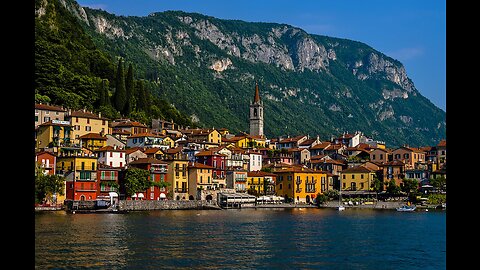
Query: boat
[406, 208]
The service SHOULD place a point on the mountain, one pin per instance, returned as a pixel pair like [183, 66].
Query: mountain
[310, 84]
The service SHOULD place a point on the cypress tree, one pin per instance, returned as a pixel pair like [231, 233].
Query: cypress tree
[120, 97]
[130, 104]
[105, 94]
[140, 96]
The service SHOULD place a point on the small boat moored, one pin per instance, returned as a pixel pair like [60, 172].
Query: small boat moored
[406, 208]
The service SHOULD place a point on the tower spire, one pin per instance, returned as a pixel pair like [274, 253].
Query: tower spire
[257, 93]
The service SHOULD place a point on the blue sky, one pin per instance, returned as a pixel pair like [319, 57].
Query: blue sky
[411, 31]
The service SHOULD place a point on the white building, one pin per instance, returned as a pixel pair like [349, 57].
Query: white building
[255, 161]
[111, 156]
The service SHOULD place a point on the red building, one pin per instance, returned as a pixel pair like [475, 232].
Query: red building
[47, 161]
[158, 173]
[218, 162]
[107, 178]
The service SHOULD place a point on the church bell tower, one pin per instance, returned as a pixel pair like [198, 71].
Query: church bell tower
[256, 114]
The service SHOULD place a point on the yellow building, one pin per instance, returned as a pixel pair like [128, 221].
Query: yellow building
[53, 133]
[211, 136]
[200, 180]
[177, 176]
[169, 141]
[84, 122]
[298, 183]
[357, 178]
[93, 141]
[261, 183]
[80, 171]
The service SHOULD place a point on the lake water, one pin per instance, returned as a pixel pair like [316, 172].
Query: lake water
[242, 239]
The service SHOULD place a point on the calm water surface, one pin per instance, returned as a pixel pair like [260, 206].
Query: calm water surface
[242, 239]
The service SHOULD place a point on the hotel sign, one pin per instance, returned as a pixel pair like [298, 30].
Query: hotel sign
[60, 122]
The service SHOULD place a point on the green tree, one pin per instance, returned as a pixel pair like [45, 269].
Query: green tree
[321, 199]
[392, 188]
[439, 182]
[409, 185]
[120, 96]
[376, 184]
[130, 90]
[141, 98]
[137, 180]
[47, 185]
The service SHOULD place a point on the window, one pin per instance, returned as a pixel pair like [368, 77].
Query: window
[36, 118]
[361, 176]
[93, 166]
[88, 128]
[373, 157]
[103, 122]
[344, 185]
[111, 154]
[344, 176]
[151, 196]
[280, 186]
[88, 120]
[201, 179]
[381, 156]
[134, 140]
[121, 155]
[353, 176]
[111, 165]
[121, 164]
[46, 119]
[289, 186]
[362, 185]
[76, 119]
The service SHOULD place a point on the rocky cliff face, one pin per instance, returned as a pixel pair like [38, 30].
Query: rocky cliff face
[321, 85]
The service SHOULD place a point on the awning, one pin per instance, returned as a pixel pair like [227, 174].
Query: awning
[134, 195]
[163, 196]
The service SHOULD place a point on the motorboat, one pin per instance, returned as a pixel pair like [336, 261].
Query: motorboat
[406, 208]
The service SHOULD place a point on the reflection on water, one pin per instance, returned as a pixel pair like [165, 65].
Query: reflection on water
[247, 238]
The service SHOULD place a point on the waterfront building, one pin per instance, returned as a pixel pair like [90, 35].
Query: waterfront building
[45, 113]
[178, 173]
[47, 161]
[256, 114]
[298, 183]
[84, 122]
[158, 173]
[200, 181]
[112, 157]
[357, 178]
[108, 180]
[261, 183]
[441, 154]
[237, 180]
[80, 171]
[218, 162]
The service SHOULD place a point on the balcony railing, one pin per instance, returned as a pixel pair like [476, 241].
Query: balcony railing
[298, 181]
[310, 190]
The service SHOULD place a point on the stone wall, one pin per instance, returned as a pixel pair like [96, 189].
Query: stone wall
[130, 205]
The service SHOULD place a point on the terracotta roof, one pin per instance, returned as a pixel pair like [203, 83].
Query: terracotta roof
[259, 174]
[130, 124]
[357, 169]
[321, 145]
[152, 150]
[110, 149]
[133, 149]
[86, 114]
[442, 143]
[141, 135]
[307, 142]
[257, 94]
[173, 150]
[296, 149]
[293, 139]
[393, 163]
[208, 153]
[333, 147]
[148, 161]
[317, 157]
[41, 152]
[95, 136]
[121, 132]
[49, 108]
[199, 165]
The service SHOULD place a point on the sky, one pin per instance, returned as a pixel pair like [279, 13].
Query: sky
[411, 31]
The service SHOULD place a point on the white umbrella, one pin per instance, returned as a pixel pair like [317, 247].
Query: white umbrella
[140, 195]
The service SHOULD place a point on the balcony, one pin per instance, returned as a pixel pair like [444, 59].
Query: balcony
[310, 190]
